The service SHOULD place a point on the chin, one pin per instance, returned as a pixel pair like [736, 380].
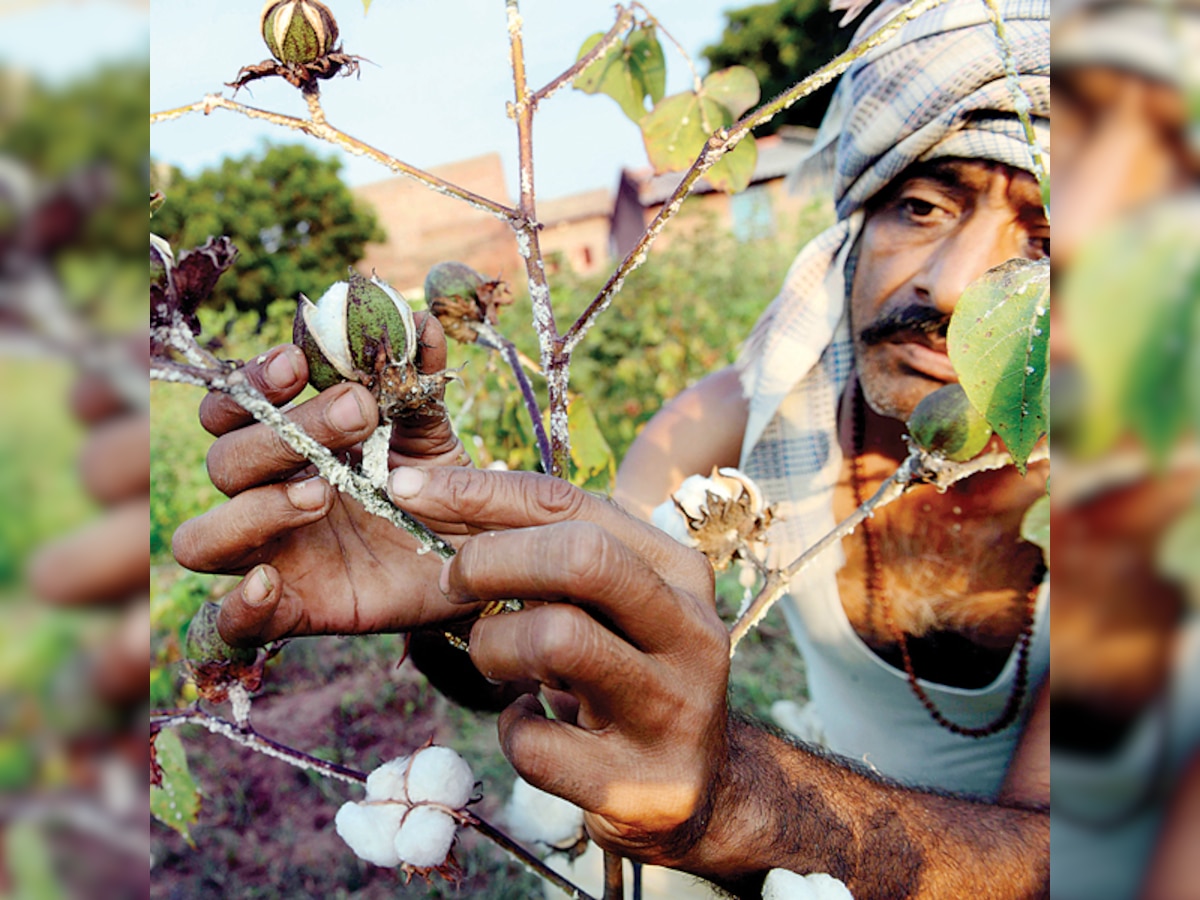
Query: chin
[892, 390]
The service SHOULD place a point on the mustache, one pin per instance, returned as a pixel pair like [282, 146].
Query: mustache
[906, 320]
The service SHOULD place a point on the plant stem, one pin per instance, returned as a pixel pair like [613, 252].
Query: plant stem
[606, 43]
[556, 360]
[338, 474]
[490, 337]
[252, 740]
[721, 142]
[614, 876]
[919, 467]
[503, 841]
[326, 132]
[1021, 103]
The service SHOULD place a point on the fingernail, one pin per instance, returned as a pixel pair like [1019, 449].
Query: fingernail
[258, 588]
[444, 578]
[307, 494]
[283, 370]
[347, 414]
[406, 482]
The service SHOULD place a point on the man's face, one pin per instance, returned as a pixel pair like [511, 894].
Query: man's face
[934, 230]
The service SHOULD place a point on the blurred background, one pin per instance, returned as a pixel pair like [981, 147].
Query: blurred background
[74, 78]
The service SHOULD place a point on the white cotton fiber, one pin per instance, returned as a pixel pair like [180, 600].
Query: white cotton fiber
[425, 837]
[370, 830]
[537, 817]
[784, 885]
[439, 775]
[387, 782]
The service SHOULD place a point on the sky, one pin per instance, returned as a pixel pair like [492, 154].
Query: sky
[433, 92]
[26, 25]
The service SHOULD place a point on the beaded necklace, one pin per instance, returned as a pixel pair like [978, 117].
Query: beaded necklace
[877, 595]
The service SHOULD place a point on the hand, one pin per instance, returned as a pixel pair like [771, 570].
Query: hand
[317, 563]
[624, 637]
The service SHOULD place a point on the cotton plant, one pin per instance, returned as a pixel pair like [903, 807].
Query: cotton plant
[782, 884]
[544, 820]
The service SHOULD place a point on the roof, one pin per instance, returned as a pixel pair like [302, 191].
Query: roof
[572, 208]
[778, 156]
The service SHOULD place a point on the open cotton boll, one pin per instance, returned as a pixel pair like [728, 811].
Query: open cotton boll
[537, 817]
[439, 775]
[370, 830]
[784, 885]
[667, 517]
[387, 782]
[425, 837]
[692, 495]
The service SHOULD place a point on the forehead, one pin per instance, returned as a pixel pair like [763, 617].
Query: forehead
[966, 178]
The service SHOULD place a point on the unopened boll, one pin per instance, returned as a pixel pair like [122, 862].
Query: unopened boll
[370, 830]
[424, 837]
[537, 817]
[782, 884]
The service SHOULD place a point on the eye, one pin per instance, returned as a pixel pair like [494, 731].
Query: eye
[917, 208]
[1039, 247]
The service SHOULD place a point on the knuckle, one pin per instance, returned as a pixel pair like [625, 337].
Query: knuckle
[559, 639]
[221, 467]
[587, 553]
[557, 497]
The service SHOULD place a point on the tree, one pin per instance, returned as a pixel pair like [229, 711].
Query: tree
[781, 42]
[296, 224]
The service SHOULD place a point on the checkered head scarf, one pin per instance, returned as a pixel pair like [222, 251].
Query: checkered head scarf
[935, 89]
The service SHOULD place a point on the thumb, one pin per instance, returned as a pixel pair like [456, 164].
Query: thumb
[249, 613]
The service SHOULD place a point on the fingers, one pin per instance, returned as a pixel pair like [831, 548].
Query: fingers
[106, 561]
[427, 438]
[115, 463]
[255, 612]
[489, 500]
[338, 418]
[578, 561]
[279, 374]
[226, 538]
[432, 340]
[93, 398]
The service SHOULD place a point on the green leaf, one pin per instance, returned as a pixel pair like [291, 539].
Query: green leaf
[30, 864]
[177, 803]
[593, 466]
[1035, 526]
[1177, 556]
[998, 341]
[629, 72]
[735, 88]
[1129, 304]
[677, 129]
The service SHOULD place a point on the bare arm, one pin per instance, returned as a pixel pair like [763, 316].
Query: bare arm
[627, 628]
[700, 428]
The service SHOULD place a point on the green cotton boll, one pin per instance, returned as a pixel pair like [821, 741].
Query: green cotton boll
[945, 422]
[298, 31]
[204, 643]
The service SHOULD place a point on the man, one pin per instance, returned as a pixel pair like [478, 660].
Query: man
[635, 661]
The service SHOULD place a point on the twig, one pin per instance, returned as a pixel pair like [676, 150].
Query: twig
[918, 468]
[503, 841]
[721, 142]
[326, 132]
[555, 362]
[1021, 103]
[492, 338]
[606, 43]
[338, 474]
[614, 876]
[252, 740]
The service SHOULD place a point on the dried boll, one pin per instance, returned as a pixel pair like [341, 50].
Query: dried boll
[462, 299]
[204, 643]
[217, 668]
[298, 31]
[723, 515]
[946, 423]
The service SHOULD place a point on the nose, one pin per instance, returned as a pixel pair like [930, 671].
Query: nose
[981, 240]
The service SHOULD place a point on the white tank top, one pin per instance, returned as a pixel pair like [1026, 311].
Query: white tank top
[866, 710]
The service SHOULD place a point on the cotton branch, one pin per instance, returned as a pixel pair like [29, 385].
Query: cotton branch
[252, 740]
[721, 142]
[493, 339]
[918, 468]
[606, 43]
[337, 473]
[319, 128]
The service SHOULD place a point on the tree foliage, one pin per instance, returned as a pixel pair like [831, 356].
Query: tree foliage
[781, 43]
[295, 223]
